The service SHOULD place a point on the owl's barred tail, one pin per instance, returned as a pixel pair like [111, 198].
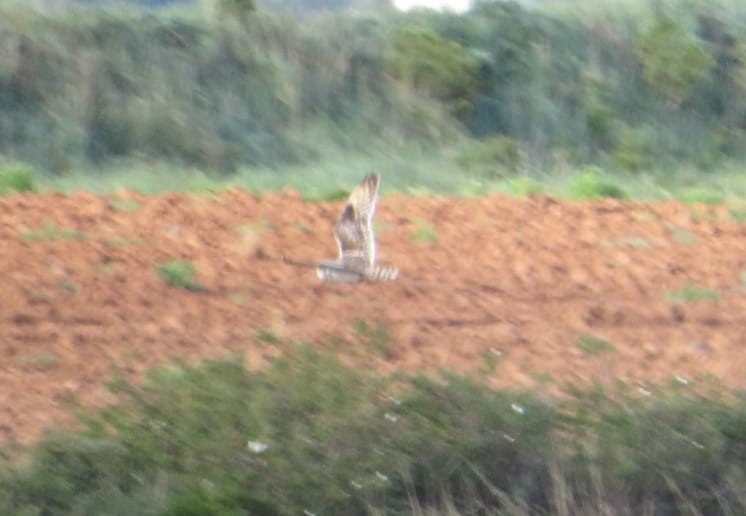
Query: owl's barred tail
[384, 273]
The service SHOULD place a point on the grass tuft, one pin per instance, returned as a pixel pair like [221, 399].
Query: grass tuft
[594, 345]
[691, 294]
[50, 231]
[267, 337]
[125, 205]
[178, 273]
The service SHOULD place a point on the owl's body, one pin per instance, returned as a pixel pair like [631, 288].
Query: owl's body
[355, 239]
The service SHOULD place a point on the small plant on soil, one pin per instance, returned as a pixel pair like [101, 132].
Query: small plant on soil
[424, 232]
[125, 204]
[594, 345]
[16, 177]
[267, 337]
[38, 361]
[593, 184]
[178, 273]
[67, 286]
[690, 294]
[50, 231]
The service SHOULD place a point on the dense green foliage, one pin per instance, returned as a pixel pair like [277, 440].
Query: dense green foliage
[631, 86]
[309, 434]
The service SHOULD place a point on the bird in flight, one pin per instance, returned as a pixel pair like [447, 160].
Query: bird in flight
[353, 232]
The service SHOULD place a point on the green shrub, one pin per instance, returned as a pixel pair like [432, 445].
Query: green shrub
[16, 177]
[592, 183]
[310, 434]
[178, 273]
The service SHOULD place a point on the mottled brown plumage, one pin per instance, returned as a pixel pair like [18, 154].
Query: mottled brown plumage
[356, 240]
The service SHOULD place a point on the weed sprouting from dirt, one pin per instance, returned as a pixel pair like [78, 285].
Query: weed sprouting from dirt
[125, 205]
[67, 286]
[39, 361]
[267, 337]
[424, 232]
[691, 294]
[50, 231]
[178, 273]
[594, 345]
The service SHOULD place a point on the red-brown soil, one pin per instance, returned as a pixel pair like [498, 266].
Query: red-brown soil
[505, 291]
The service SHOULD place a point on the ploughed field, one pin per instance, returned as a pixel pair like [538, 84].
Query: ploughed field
[524, 292]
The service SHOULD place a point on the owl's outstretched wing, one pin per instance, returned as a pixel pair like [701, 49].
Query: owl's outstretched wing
[354, 228]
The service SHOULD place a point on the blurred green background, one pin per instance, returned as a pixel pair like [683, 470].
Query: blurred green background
[158, 94]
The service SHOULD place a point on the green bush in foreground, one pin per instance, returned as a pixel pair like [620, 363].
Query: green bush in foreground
[309, 434]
